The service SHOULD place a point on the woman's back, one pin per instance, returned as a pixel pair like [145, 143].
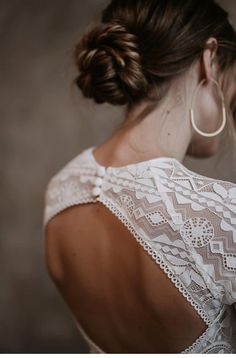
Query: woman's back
[127, 261]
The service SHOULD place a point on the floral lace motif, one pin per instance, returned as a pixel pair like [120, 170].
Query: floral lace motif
[197, 232]
[185, 221]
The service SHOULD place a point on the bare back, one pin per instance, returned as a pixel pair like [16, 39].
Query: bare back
[122, 298]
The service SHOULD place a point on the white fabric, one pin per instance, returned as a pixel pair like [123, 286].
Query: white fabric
[197, 245]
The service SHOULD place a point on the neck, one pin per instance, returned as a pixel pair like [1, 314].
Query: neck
[165, 132]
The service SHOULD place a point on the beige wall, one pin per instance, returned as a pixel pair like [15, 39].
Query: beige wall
[44, 123]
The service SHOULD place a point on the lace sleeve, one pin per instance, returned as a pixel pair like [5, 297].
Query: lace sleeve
[211, 237]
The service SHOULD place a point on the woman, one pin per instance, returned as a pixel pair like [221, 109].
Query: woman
[173, 288]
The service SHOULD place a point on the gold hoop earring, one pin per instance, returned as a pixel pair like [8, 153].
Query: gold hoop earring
[205, 134]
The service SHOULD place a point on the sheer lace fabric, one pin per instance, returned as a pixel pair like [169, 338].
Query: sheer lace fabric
[185, 221]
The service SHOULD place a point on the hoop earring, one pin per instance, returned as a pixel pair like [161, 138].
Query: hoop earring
[205, 134]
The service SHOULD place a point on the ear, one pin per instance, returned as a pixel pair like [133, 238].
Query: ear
[208, 57]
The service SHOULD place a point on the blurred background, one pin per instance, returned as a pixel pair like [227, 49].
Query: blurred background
[45, 122]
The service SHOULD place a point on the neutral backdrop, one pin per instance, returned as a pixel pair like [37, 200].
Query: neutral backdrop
[44, 123]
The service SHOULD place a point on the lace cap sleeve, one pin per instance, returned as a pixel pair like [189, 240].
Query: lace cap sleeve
[71, 185]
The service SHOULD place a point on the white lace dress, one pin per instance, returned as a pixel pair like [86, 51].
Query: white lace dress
[197, 251]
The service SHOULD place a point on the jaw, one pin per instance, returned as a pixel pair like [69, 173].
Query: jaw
[203, 148]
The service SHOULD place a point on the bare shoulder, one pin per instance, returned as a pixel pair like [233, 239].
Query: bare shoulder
[61, 239]
[52, 235]
[54, 239]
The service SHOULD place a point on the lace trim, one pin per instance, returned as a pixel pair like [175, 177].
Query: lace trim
[58, 208]
[211, 339]
[201, 338]
[157, 258]
[94, 348]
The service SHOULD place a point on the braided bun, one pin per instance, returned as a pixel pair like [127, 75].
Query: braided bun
[109, 65]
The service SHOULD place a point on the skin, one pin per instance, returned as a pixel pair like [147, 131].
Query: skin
[168, 128]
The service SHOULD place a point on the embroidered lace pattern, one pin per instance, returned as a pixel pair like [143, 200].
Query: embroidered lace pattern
[185, 221]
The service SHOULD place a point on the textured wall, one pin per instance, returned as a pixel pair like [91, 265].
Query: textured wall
[44, 123]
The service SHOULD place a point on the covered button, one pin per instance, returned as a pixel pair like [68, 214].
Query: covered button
[101, 171]
[96, 191]
[98, 181]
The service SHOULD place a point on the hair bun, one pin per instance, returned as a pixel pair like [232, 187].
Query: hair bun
[109, 65]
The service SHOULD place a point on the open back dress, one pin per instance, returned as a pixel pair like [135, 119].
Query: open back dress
[176, 257]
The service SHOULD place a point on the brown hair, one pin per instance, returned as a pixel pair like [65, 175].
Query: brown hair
[141, 45]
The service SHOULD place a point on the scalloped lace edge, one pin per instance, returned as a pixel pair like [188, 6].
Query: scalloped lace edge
[156, 257]
[164, 267]
[58, 208]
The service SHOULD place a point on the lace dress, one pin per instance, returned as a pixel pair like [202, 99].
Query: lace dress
[197, 251]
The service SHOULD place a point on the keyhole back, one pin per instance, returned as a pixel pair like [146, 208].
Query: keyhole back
[115, 289]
